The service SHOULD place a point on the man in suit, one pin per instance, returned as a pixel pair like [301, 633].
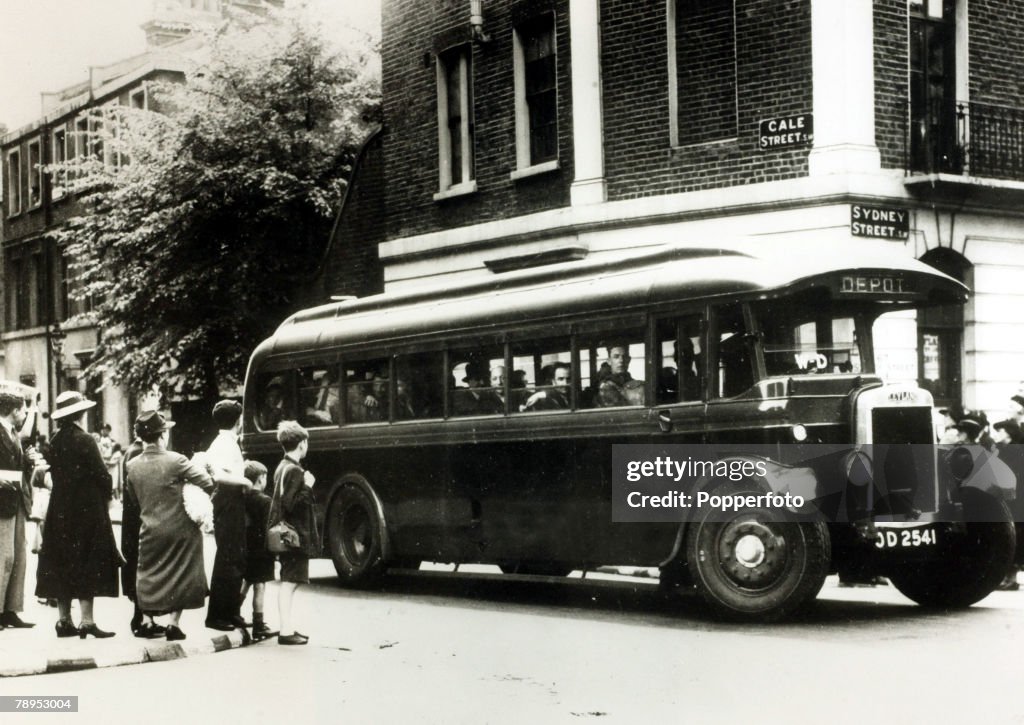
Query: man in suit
[15, 502]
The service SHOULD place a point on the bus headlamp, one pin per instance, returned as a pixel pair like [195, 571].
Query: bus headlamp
[799, 433]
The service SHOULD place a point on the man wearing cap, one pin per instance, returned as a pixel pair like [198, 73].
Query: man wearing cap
[15, 503]
[227, 468]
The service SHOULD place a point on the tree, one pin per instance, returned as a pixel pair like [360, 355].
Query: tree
[199, 222]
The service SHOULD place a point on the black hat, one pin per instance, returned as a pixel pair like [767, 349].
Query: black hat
[477, 370]
[969, 426]
[1018, 399]
[1011, 427]
[151, 422]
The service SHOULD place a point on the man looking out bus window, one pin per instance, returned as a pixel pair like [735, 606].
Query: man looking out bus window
[475, 399]
[618, 387]
[558, 397]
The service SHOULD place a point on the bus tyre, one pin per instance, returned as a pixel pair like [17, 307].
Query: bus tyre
[355, 535]
[974, 563]
[749, 565]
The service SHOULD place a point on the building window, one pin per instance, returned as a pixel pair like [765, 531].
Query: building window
[702, 71]
[15, 291]
[933, 108]
[533, 45]
[112, 156]
[455, 119]
[59, 154]
[14, 182]
[138, 99]
[35, 173]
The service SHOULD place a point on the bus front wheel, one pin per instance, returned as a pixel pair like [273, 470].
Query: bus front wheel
[975, 562]
[749, 565]
[355, 535]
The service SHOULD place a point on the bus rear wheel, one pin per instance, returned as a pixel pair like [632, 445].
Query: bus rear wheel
[751, 566]
[974, 564]
[355, 536]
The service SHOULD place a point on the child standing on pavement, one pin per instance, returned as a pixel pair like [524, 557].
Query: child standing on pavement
[293, 503]
[259, 562]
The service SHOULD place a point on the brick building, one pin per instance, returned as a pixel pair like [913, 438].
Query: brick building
[40, 346]
[545, 130]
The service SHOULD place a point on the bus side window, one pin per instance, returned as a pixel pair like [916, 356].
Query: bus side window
[366, 391]
[318, 396]
[274, 402]
[612, 370]
[735, 362]
[541, 375]
[679, 363]
[478, 381]
[419, 386]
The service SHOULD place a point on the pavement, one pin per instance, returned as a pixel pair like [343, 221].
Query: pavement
[38, 650]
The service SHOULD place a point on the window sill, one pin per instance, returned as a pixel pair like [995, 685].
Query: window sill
[452, 192]
[535, 170]
[14, 214]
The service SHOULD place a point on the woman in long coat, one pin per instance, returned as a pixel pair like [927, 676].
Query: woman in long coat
[171, 575]
[79, 558]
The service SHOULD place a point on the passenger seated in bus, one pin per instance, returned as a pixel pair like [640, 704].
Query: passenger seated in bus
[475, 399]
[404, 409]
[368, 406]
[690, 365]
[631, 391]
[556, 397]
[324, 407]
[272, 405]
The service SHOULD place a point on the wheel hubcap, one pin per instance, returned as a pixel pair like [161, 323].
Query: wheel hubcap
[752, 555]
[749, 551]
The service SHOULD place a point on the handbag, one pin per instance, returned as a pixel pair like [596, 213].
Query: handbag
[282, 537]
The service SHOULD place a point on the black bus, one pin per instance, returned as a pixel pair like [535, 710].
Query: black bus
[476, 424]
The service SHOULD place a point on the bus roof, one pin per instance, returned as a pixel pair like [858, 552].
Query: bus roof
[570, 289]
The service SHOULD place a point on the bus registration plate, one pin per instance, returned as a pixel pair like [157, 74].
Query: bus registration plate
[911, 538]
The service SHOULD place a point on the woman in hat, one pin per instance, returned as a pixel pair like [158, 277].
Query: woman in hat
[79, 558]
[171, 576]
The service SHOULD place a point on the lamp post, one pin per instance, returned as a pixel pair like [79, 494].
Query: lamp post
[57, 337]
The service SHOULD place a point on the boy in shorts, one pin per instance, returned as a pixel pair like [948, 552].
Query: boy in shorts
[259, 562]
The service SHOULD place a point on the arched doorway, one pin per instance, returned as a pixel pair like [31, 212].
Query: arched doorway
[940, 334]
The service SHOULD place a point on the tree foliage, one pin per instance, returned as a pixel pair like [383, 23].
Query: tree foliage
[200, 219]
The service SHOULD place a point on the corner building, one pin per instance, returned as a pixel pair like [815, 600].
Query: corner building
[48, 340]
[540, 131]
